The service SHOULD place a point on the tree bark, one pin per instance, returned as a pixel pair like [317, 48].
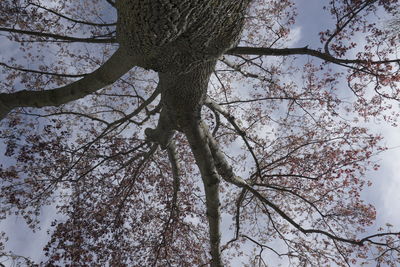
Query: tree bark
[204, 159]
[175, 35]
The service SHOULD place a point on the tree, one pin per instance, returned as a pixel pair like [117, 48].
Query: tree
[394, 22]
[146, 122]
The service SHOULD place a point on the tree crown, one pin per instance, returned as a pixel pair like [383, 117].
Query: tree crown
[149, 124]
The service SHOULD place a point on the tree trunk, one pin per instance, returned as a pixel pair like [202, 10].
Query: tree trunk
[182, 40]
[174, 35]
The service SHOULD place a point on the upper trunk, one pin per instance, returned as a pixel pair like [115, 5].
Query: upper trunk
[175, 34]
[180, 39]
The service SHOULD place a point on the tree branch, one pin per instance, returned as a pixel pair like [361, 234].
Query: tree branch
[351, 16]
[197, 138]
[72, 19]
[214, 106]
[226, 172]
[116, 66]
[42, 72]
[265, 51]
[173, 159]
[61, 37]
[174, 209]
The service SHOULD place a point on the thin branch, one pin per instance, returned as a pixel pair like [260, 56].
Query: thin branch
[340, 28]
[266, 51]
[66, 113]
[263, 245]
[173, 159]
[279, 98]
[43, 72]
[214, 106]
[174, 210]
[71, 39]
[115, 124]
[246, 74]
[237, 218]
[226, 172]
[74, 20]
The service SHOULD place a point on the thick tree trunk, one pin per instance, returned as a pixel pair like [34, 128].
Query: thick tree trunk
[182, 40]
[182, 97]
[176, 34]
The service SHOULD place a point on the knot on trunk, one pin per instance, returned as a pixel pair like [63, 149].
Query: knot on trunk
[161, 138]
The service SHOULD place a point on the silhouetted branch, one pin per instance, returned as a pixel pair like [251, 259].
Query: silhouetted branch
[72, 19]
[266, 51]
[58, 37]
[43, 72]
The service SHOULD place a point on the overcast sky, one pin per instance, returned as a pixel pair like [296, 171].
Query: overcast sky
[384, 194]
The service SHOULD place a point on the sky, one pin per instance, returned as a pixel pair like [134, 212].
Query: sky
[384, 194]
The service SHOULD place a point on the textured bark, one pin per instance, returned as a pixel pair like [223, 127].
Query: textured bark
[182, 40]
[182, 97]
[176, 34]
